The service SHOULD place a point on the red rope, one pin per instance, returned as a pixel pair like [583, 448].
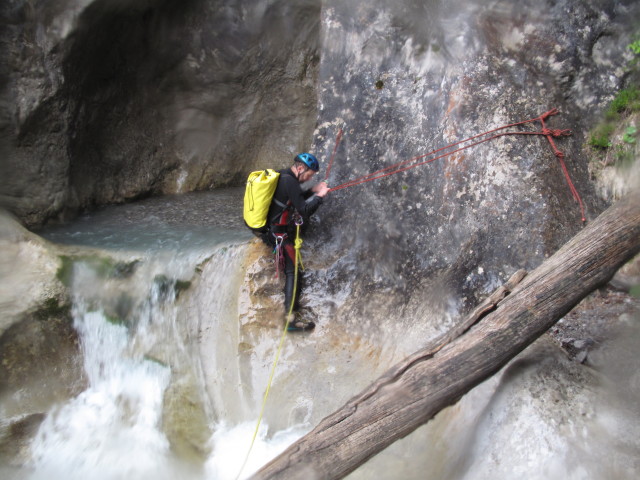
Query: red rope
[560, 156]
[400, 166]
[375, 174]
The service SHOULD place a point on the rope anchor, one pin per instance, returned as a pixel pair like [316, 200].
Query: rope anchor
[476, 140]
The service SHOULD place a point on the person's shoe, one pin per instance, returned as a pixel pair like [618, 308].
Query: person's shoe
[299, 325]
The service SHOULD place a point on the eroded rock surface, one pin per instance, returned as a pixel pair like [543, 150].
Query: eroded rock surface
[40, 359]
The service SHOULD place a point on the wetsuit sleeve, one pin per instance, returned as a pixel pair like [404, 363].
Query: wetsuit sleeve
[304, 202]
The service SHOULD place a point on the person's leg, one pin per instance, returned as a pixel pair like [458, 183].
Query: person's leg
[291, 290]
[291, 294]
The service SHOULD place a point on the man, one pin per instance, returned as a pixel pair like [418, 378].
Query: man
[290, 204]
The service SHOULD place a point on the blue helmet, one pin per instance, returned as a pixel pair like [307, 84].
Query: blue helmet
[309, 160]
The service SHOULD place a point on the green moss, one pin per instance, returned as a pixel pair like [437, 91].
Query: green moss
[104, 267]
[623, 155]
[155, 360]
[65, 270]
[601, 136]
[53, 308]
[167, 285]
[200, 267]
[626, 103]
[627, 100]
[124, 269]
[630, 135]
[182, 285]
[114, 320]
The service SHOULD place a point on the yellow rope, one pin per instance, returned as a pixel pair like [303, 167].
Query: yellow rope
[298, 260]
[298, 246]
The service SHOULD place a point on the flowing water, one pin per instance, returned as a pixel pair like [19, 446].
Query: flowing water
[143, 367]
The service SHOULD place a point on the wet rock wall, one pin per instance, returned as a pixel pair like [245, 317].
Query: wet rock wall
[405, 80]
[105, 102]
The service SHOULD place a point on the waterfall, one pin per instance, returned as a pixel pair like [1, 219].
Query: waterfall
[111, 430]
[150, 306]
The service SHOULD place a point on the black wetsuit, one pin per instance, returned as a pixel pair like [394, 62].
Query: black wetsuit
[288, 199]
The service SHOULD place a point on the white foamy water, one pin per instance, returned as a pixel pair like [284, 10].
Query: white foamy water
[111, 430]
[230, 449]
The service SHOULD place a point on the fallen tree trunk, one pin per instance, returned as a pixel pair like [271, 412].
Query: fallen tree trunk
[416, 389]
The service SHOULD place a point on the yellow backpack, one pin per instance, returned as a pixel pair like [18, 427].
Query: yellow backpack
[261, 185]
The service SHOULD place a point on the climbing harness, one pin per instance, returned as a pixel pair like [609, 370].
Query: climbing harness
[278, 253]
[297, 264]
[475, 140]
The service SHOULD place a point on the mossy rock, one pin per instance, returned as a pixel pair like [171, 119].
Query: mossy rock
[167, 285]
[105, 267]
[40, 360]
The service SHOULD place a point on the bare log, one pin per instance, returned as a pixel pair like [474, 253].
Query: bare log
[416, 389]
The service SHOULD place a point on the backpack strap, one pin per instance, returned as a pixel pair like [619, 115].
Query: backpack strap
[278, 216]
[278, 219]
[279, 203]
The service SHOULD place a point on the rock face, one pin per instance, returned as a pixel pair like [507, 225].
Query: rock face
[105, 102]
[419, 77]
